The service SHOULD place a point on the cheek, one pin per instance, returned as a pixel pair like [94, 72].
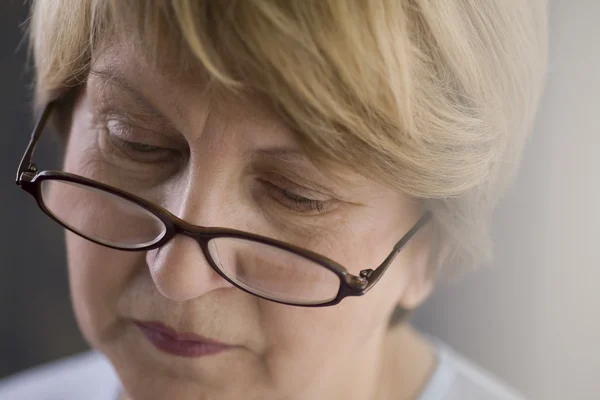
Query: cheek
[305, 342]
[98, 277]
[355, 319]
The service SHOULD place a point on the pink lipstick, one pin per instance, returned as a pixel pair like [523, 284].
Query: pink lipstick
[179, 344]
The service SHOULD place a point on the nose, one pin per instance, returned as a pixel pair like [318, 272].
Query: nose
[180, 270]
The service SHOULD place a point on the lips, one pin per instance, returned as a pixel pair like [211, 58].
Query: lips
[179, 344]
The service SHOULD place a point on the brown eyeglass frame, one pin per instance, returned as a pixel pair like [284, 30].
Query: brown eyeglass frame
[29, 179]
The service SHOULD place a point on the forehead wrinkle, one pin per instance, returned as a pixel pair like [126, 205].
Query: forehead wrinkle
[156, 87]
[191, 116]
[113, 79]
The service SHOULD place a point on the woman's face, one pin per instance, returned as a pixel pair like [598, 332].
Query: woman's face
[215, 159]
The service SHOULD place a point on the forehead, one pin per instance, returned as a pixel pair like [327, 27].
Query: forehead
[124, 65]
[184, 95]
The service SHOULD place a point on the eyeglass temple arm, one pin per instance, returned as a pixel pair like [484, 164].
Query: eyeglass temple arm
[26, 165]
[373, 276]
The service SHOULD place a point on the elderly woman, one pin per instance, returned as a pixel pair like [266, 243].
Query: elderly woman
[256, 192]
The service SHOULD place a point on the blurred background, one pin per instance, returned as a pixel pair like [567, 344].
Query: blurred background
[531, 318]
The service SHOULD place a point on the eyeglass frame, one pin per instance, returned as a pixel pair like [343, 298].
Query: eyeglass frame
[29, 179]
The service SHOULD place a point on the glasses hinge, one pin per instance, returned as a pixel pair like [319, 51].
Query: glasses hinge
[27, 176]
[32, 168]
[357, 282]
[366, 273]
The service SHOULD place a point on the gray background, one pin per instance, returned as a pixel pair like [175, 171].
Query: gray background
[36, 323]
[531, 317]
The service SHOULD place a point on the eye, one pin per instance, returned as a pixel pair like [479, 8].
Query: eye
[142, 152]
[142, 147]
[135, 144]
[297, 202]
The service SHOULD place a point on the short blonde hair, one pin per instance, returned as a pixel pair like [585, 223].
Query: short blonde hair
[434, 98]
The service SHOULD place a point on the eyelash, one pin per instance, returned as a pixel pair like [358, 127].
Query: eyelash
[142, 148]
[294, 201]
[141, 152]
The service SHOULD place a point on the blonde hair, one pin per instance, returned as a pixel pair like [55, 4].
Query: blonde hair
[434, 98]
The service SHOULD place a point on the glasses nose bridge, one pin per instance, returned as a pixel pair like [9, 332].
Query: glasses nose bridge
[199, 233]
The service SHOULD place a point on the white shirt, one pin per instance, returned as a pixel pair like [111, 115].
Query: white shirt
[90, 376]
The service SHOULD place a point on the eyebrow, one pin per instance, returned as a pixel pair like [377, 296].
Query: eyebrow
[116, 79]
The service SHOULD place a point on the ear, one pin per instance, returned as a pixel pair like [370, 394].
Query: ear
[421, 278]
[416, 292]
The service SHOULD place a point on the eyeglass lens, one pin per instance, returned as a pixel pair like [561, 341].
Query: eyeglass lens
[262, 269]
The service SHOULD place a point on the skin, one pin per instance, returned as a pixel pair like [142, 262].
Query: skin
[207, 165]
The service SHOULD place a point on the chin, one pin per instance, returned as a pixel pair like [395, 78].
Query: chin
[148, 373]
[141, 385]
